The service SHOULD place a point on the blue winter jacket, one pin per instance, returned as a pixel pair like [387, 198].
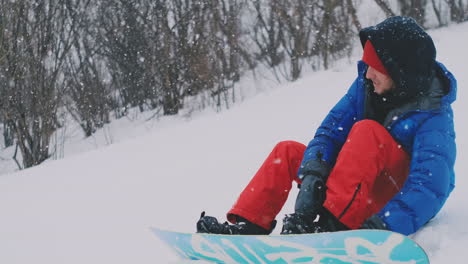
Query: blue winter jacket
[426, 132]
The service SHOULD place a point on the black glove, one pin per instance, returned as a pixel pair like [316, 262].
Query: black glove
[311, 195]
[313, 174]
[374, 222]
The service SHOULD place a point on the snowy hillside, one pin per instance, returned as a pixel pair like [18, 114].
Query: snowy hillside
[97, 206]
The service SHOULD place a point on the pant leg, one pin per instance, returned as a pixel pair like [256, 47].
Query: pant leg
[267, 192]
[370, 169]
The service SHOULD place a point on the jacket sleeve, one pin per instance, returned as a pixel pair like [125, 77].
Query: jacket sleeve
[320, 155]
[431, 177]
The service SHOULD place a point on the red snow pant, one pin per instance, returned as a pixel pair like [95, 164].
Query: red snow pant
[370, 169]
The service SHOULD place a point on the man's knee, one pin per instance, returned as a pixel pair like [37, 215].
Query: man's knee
[289, 145]
[367, 124]
[366, 127]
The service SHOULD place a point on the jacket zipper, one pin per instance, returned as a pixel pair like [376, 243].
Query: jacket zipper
[352, 200]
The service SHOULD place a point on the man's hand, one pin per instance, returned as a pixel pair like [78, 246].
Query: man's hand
[311, 196]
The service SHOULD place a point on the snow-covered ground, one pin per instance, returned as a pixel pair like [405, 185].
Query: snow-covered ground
[97, 206]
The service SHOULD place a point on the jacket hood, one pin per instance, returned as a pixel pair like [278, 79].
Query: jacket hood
[407, 53]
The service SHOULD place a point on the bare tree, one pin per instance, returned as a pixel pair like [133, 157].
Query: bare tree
[436, 7]
[198, 53]
[173, 25]
[267, 33]
[125, 46]
[231, 56]
[293, 17]
[89, 95]
[37, 36]
[333, 34]
[385, 7]
[458, 10]
[8, 133]
[227, 15]
[415, 9]
[201, 51]
[353, 13]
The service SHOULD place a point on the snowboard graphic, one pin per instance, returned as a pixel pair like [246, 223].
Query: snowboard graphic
[354, 247]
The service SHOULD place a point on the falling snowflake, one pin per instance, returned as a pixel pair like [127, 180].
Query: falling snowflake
[277, 161]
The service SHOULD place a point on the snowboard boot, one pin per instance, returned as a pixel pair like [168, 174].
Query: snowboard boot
[209, 224]
[323, 221]
[299, 223]
[328, 222]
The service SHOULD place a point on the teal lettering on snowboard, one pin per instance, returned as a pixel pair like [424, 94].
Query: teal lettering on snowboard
[354, 247]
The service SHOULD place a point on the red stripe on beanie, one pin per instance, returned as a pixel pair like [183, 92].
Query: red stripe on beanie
[370, 58]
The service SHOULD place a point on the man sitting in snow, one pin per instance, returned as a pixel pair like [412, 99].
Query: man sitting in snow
[383, 157]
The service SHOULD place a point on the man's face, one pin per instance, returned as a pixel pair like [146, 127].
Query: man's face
[382, 83]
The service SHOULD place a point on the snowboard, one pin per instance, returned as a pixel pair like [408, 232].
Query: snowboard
[354, 247]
